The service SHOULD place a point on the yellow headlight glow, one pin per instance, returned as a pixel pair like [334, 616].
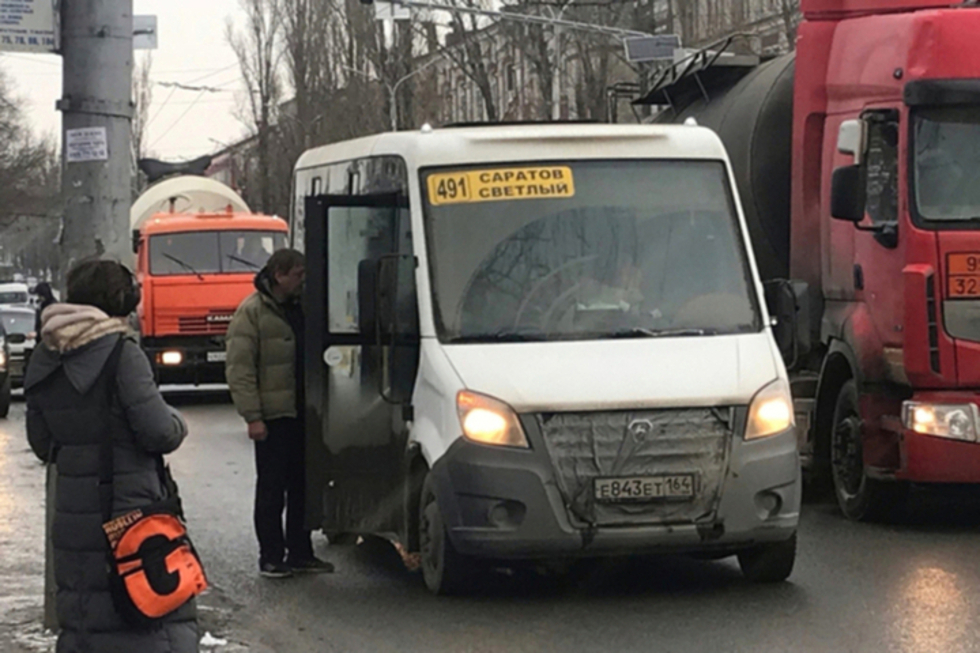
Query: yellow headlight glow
[489, 421]
[771, 411]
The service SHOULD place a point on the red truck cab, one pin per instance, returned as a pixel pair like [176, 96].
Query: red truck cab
[194, 270]
[858, 162]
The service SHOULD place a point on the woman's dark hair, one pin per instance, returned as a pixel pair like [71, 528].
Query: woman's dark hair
[107, 285]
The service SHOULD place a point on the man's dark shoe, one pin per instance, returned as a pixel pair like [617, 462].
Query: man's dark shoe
[311, 566]
[275, 570]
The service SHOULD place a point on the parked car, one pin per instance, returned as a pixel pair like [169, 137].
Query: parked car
[5, 384]
[18, 323]
[14, 294]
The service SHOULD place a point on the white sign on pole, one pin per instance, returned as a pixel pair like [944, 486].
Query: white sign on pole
[27, 26]
[391, 11]
[89, 144]
[144, 32]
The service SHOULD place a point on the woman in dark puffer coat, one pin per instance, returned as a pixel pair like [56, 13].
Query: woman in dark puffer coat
[78, 338]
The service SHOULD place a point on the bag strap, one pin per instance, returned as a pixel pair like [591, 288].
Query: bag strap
[106, 463]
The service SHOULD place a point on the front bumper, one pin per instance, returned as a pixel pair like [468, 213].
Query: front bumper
[506, 504]
[195, 367]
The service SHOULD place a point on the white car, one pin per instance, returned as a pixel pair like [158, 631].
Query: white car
[18, 324]
[14, 294]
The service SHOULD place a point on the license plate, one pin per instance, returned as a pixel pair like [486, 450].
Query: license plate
[217, 356]
[963, 271]
[644, 488]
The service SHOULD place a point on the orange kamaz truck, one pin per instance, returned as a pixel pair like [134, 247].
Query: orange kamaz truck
[198, 248]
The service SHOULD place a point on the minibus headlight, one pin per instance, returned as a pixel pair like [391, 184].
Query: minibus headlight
[771, 411]
[954, 421]
[488, 421]
[3, 361]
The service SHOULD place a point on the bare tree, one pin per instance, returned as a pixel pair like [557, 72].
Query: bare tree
[473, 52]
[29, 186]
[142, 100]
[259, 50]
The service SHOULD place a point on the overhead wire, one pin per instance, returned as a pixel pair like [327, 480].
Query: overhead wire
[177, 122]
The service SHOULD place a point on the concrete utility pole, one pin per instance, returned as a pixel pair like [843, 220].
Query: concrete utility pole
[97, 49]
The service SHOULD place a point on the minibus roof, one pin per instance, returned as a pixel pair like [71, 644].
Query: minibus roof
[525, 142]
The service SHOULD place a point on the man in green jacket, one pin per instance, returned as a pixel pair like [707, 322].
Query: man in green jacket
[264, 370]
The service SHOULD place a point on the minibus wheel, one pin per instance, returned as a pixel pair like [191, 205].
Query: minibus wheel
[860, 498]
[769, 563]
[445, 571]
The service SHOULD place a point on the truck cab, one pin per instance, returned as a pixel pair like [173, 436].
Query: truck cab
[541, 342]
[857, 158]
[194, 270]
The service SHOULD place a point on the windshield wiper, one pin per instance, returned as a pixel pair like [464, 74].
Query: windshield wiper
[186, 266]
[239, 259]
[504, 335]
[642, 332]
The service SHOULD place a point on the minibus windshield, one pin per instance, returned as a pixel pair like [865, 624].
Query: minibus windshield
[586, 250]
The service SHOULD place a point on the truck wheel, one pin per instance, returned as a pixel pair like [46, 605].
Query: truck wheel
[5, 398]
[444, 570]
[860, 498]
[769, 563]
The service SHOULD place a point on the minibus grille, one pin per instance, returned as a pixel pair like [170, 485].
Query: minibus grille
[651, 444]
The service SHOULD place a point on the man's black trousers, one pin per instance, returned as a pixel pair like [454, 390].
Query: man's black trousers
[280, 461]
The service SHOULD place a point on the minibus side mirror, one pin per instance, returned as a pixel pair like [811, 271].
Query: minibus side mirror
[789, 309]
[136, 241]
[367, 293]
[847, 196]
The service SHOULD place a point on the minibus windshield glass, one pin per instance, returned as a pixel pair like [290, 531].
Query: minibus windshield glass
[212, 252]
[586, 250]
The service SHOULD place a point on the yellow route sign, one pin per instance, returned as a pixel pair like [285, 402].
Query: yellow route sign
[501, 184]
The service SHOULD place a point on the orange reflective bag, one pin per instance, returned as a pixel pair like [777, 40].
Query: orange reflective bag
[153, 567]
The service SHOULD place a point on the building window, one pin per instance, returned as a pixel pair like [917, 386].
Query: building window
[511, 75]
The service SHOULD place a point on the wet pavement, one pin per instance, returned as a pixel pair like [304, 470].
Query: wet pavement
[907, 587]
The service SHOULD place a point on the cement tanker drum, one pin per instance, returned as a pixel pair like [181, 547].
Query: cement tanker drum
[752, 112]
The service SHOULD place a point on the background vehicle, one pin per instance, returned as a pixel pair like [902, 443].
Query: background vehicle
[872, 121]
[536, 342]
[18, 324]
[197, 249]
[5, 381]
[14, 294]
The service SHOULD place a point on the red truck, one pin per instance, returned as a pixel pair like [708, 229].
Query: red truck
[858, 165]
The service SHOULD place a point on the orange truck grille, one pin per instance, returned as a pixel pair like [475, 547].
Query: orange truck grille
[212, 324]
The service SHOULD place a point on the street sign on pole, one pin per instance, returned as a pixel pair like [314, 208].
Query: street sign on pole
[651, 48]
[391, 11]
[144, 32]
[28, 26]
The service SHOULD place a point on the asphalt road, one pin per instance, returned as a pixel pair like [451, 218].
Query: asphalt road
[908, 587]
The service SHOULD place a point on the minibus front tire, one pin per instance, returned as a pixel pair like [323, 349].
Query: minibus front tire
[445, 570]
[769, 563]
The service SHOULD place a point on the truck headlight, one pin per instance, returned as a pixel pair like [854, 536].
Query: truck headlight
[489, 421]
[172, 358]
[771, 411]
[954, 421]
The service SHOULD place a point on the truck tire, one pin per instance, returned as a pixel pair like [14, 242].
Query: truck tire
[769, 563]
[860, 498]
[445, 571]
[5, 390]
